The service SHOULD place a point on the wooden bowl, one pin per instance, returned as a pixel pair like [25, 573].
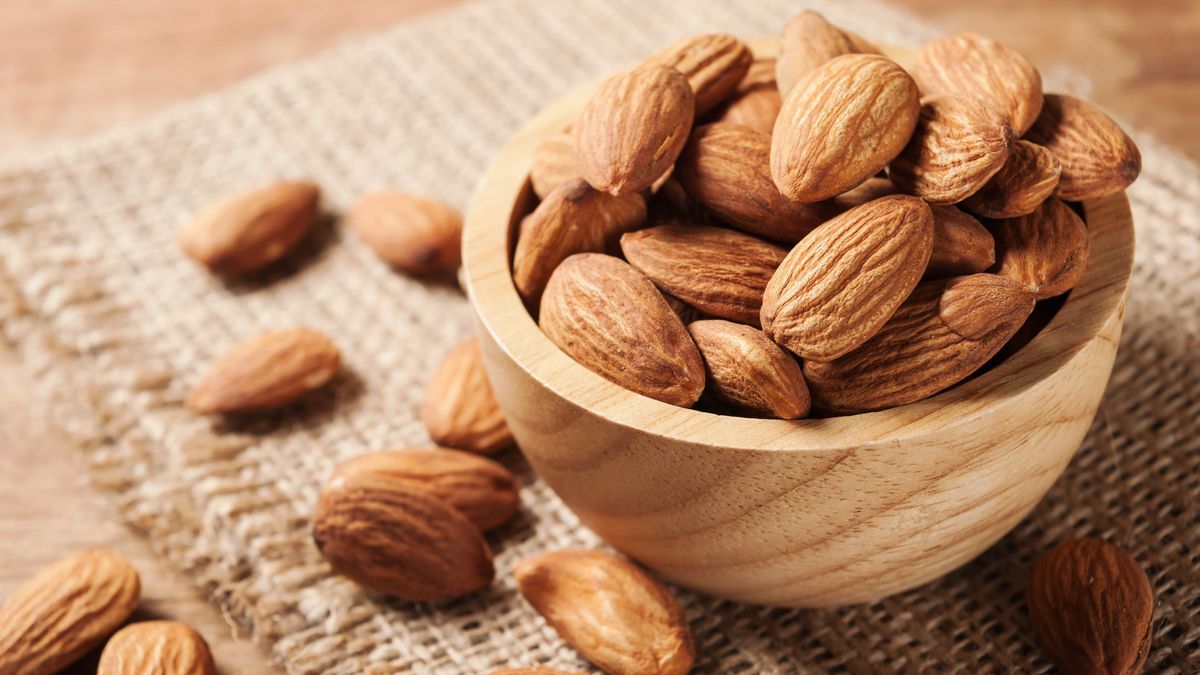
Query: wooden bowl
[803, 513]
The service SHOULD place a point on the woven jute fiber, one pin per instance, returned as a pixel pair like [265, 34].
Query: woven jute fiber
[117, 326]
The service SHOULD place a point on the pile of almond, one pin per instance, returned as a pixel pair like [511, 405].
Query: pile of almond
[826, 230]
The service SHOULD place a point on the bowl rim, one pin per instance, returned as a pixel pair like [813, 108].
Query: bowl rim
[504, 196]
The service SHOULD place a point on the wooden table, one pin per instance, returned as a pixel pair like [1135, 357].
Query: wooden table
[69, 67]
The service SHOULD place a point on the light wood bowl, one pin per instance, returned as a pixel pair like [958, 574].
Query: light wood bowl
[803, 513]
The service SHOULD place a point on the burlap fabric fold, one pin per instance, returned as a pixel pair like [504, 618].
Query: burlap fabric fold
[117, 325]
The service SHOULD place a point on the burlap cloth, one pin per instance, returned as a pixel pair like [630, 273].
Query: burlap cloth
[117, 325]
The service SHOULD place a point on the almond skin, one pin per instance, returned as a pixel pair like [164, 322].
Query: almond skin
[958, 145]
[554, 163]
[1029, 176]
[961, 245]
[1092, 608]
[482, 490]
[809, 41]
[841, 124]
[713, 65]
[612, 320]
[756, 102]
[247, 232]
[1046, 250]
[1098, 158]
[460, 408]
[718, 271]
[156, 648]
[613, 613]
[418, 235]
[65, 611]
[842, 282]
[942, 333]
[633, 128]
[266, 371]
[747, 370]
[971, 65]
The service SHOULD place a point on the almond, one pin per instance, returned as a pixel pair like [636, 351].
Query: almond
[958, 145]
[1098, 158]
[482, 490]
[726, 168]
[156, 648]
[633, 128]
[1092, 608]
[398, 539]
[1029, 176]
[842, 282]
[1046, 250]
[809, 41]
[756, 102]
[720, 272]
[418, 235]
[942, 333]
[611, 319]
[713, 65]
[961, 245]
[574, 218]
[613, 613]
[266, 371]
[245, 233]
[554, 163]
[841, 124]
[65, 611]
[460, 408]
[747, 370]
[969, 64]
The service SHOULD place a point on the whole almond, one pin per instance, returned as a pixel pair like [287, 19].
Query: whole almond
[726, 168]
[482, 490]
[841, 124]
[969, 64]
[612, 320]
[1092, 608]
[842, 282]
[460, 408]
[398, 539]
[1098, 158]
[418, 235]
[718, 271]
[574, 218]
[156, 648]
[266, 371]
[554, 163]
[713, 65]
[1028, 178]
[942, 333]
[633, 128]
[756, 102]
[613, 613]
[747, 370]
[245, 233]
[958, 145]
[809, 41]
[1046, 250]
[961, 245]
[65, 611]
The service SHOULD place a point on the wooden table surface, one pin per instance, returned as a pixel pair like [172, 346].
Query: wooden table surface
[69, 67]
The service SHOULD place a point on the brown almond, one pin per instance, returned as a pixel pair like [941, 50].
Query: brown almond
[612, 320]
[841, 124]
[612, 612]
[482, 490]
[1092, 608]
[718, 271]
[554, 163]
[1046, 250]
[713, 65]
[1098, 158]
[842, 282]
[747, 370]
[65, 611]
[942, 333]
[756, 102]
[1029, 176]
[809, 41]
[156, 648]
[245, 233]
[958, 145]
[961, 245]
[633, 128]
[460, 408]
[726, 168]
[969, 64]
[418, 235]
[269, 370]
